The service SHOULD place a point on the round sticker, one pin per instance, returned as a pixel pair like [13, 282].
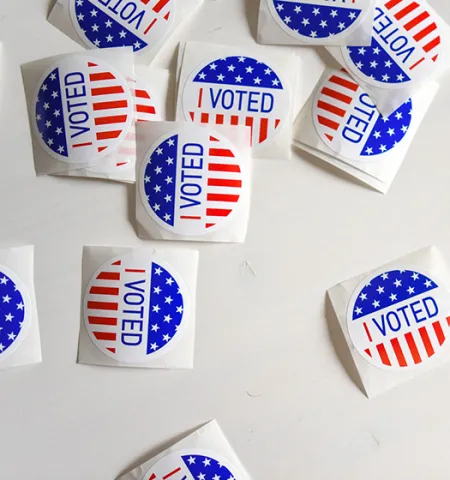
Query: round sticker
[140, 24]
[405, 46]
[192, 464]
[191, 181]
[83, 109]
[134, 308]
[15, 312]
[313, 21]
[348, 122]
[238, 91]
[399, 318]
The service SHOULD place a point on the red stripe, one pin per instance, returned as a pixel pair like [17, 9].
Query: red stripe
[113, 350]
[166, 16]
[160, 5]
[108, 135]
[222, 167]
[367, 332]
[96, 77]
[337, 95]
[383, 354]
[368, 352]
[105, 336]
[82, 145]
[448, 321]
[426, 341]
[103, 305]
[150, 26]
[417, 63]
[108, 276]
[413, 348]
[102, 321]
[100, 149]
[249, 123]
[90, 64]
[111, 119]
[398, 352]
[217, 212]
[110, 105]
[208, 225]
[440, 335]
[134, 270]
[415, 21]
[220, 119]
[172, 473]
[404, 11]
[432, 44]
[204, 117]
[145, 109]
[327, 122]
[200, 98]
[330, 137]
[107, 91]
[331, 108]
[263, 130]
[426, 31]
[222, 197]
[277, 122]
[141, 94]
[119, 262]
[392, 3]
[344, 83]
[104, 291]
[220, 152]
[190, 217]
[192, 114]
[213, 139]
[234, 120]
[223, 182]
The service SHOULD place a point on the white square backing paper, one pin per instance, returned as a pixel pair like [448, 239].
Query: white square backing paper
[205, 454]
[395, 319]
[19, 327]
[80, 108]
[193, 182]
[138, 307]
[341, 125]
[315, 22]
[144, 26]
[225, 85]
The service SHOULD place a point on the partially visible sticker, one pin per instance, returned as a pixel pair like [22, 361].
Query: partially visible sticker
[140, 24]
[348, 122]
[135, 308]
[314, 21]
[398, 319]
[405, 48]
[15, 312]
[192, 464]
[238, 91]
[191, 181]
[83, 109]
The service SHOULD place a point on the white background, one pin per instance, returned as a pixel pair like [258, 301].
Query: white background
[266, 366]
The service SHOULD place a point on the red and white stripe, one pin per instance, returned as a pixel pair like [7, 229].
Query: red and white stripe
[420, 25]
[162, 10]
[411, 348]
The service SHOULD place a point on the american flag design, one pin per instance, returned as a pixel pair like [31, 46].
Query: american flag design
[238, 91]
[14, 312]
[315, 20]
[191, 465]
[348, 122]
[191, 181]
[134, 308]
[83, 110]
[140, 24]
[405, 45]
[399, 318]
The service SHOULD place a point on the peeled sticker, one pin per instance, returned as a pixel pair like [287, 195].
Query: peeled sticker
[398, 319]
[405, 47]
[238, 91]
[191, 464]
[15, 312]
[313, 21]
[83, 110]
[348, 122]
[134, 308]
[140, 24]
[191, 181]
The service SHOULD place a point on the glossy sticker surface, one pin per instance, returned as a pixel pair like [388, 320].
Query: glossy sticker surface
[238, 91]
[191, 181]
[398, 319]
[134, 308]
[348, 122]
[140, 24]
[313, 21]
[83, 109]
[405, 48]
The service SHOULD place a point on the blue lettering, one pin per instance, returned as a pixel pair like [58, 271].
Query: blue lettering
[133, 298]
[252, 100]
[75, 89]
[382, 327]
[264, 107]
[393, 327]
[133, 286]
[434, 305]
[228, 104]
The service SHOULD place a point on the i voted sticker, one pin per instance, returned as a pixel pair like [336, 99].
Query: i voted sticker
[15, 312]
[193, 464]
[191, 181]
[135, 308]
[348, 122]
[238, 91]
[314, 21]
[405, 48]
[83, 110]
[140, 24]
[398, 319]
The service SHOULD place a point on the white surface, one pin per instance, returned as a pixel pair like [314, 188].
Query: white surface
[265, 365]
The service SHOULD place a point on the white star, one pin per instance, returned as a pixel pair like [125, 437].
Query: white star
[158, 271]
[275, 82]
[108, 24]
[3, 280]
[398, 283]
[157, 188]
[167, 318]
[169, 161]
[383, 148]
[377, 134]
[60, 149]
[323, 23]
[267, 71]
[57, 113]
[361, 51]
[167, 217]
[287, 20]
[391, 132]
[170, 142]
[122, 34]
[94, 13]
[428, 283]
[359, 65]
[46, 106]
[410, 290]
[333, 13]
[168, 180]
[352, 15]
[213, 66]
[376, 50]
[249, 69]
[11, 336]
[1, 347]
[79, 3]
[220, 77]
[44, 88]
[376, 303]
[166, 337]
[154, 346]
[257, 80]
[385, 77]
[147, 179]
[380, 289]
[369, 150]
[97, 42]
[280, 7]
[415, 276]
[363, 296]
[158, 170]
[241, 59]
[156, 207]
[238, 79]
[137, 45]
[155, 328]
[358, 311]
[393, 297]
[191, 460]
[404, 128]
[109, 38]
[157, 290]
[156, 308]
[341, 25]
[305, 21]
[80, 17]
[400, 77]
[95, 27]
[159, 151]
[169, 281]
[231, 68]
[373, 64]
[388, 64]
[180, 309]
[385, 276]
[201, 476]
[9, 317]
[20, 306]
[48, 123]
[298, 9]
[168, 300]
[168, 198]
[313, 34]
[38, 117]
[316, 11]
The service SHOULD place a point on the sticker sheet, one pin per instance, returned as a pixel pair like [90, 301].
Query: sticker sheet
[19, 327]
[220, 85]
[203, 455]
[138, 307]
[315, 22]
[193, 182]
[395, 319]
[80, 108]
[410, 45]
[143, 25]
[342, 126]
[150, 91]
